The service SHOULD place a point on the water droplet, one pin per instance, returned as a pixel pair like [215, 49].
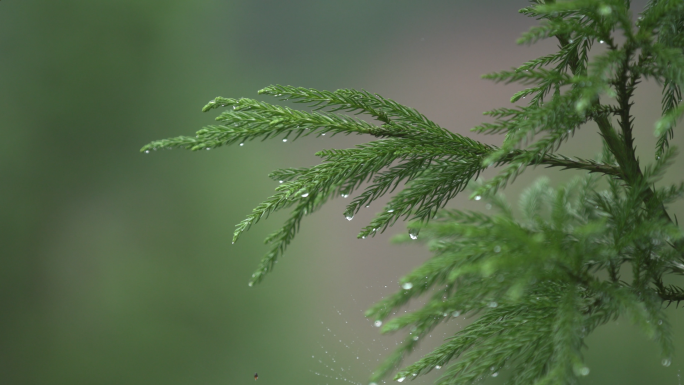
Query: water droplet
[493, 304]
[415, 338]
[488, 206]
[477, 198]
[456, 313]
[401, 379]
[377, 323]
[249, 284]
[349, 217]
[407, 286]
[345, 195]
[242, 144]
[284, 140]
[666, 362]
[495, 374]
[413, 233]
[660, 322]
[601, 41]
[208, 148]
[390, 210]
[280, 181]
[305, 195]
[438, 367]
[583, 371]
[497, 249]
[570, 41]
[147, 151]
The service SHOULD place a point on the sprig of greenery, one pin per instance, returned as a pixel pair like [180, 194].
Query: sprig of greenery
[537, 283]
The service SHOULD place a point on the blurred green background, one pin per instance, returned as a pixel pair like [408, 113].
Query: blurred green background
[117, 267]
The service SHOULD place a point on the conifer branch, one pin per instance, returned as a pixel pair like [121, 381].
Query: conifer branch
[537, 284]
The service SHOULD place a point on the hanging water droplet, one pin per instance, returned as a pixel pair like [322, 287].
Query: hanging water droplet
[345, 195]
[415, 374]
[477, 197]
[377, 323]
[407, 286]
[305, 195]
[456, 313]
[147, 151]
[249, 284]
[208, 148]
[497, 249]
[284, 140]
[242, 144]
[349, 217]
[666, 362]
[438, 367]
[390, 210]
[493, 304]
[401, 379]
[413, 233]
[495, 374]
[570, 41]
[601, 41]
[415, 338]
[280, 181]
[583, 371]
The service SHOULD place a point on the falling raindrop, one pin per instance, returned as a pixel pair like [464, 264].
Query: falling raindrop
[413, 233]
[407, 286]
[377, 323]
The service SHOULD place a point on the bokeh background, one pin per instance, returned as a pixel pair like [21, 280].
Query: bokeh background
[117, 267]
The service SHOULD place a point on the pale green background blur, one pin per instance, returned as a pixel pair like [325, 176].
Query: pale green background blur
[117, 267]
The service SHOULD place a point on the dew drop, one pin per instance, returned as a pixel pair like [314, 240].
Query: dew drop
[477, 197]
[401, 379]
[377, 323]
[147, 151]
[438, 367]
[284, 140]
[583, 371]
[493, 304]
[305, 195]
[601, 41]
[497, 249]
[349, 217]
[390, 210]
[280, 181]
[666, 362]
[495, 374]
[407, 286]
[249, 284]
[242, 144]
[415, 338]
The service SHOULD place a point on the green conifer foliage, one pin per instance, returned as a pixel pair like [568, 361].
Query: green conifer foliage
[540, 283]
